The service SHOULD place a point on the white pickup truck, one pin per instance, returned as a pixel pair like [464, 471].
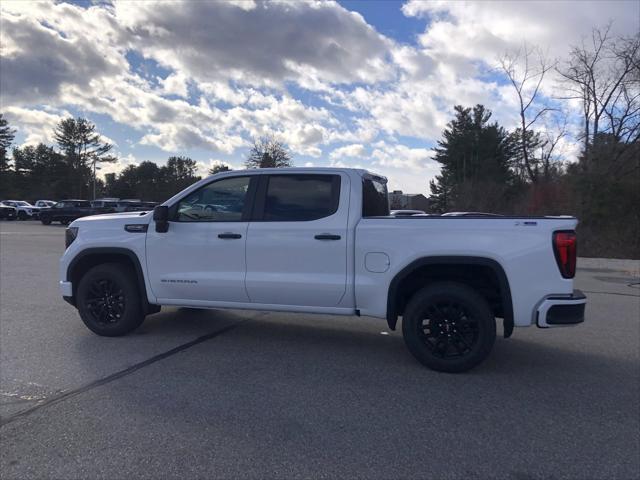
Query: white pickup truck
[321, 240]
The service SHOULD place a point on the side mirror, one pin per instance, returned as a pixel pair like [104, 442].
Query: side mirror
[161, 217]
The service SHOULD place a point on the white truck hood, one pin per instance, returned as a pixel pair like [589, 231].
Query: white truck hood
[116, 218]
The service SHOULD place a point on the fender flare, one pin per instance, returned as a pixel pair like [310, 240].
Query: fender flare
[131, 255]
[503, 284]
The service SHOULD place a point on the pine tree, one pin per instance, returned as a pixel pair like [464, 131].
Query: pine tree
[83, 148]
[7, 135]
[476, 157]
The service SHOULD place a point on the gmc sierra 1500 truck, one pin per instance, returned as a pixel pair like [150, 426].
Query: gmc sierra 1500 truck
[321, 240]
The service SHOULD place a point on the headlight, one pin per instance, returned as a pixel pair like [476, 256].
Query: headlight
[70, 235]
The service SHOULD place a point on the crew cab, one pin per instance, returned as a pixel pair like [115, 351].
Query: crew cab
[314, 240]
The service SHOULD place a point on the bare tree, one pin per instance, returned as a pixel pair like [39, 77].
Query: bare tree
[549, 148]
[604, 74]
[526, 70]
[267, 152]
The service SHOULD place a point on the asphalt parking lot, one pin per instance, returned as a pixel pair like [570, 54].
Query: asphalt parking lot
[255, 395]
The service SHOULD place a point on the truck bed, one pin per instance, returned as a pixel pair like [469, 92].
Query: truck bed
[521, 245]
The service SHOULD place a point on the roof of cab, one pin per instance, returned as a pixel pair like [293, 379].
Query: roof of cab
[254, 171]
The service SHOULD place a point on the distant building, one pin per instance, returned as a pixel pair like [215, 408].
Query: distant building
[408, 201]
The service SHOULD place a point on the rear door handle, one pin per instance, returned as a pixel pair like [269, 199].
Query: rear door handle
[229, 235]
[327, 236]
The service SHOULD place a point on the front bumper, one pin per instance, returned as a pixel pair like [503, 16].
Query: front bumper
[66, 289]
[559, 311]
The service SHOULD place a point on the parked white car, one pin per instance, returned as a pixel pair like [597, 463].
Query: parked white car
[24, 209]
[322, 241]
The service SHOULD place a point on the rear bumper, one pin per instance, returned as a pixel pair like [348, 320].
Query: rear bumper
[559, 311]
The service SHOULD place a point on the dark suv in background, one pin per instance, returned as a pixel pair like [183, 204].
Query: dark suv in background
[8, 212]
[66, 211]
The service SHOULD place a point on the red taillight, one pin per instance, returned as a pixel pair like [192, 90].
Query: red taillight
[564, 248]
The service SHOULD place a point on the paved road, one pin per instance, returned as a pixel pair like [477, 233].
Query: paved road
[253, 395]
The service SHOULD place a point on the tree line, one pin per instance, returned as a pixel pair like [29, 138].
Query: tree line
[487, 168]
[71, 170]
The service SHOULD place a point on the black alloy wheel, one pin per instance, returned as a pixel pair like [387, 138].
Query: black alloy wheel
[105, 301]
[108, 300]
[449, 327]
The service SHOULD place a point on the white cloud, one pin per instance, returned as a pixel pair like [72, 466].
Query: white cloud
[401, 156]
[354, 150]
[118, 166]
[37, 125]
[175, 84]
[52, 46]
[266, 44]
[485, 29]
[408, 169]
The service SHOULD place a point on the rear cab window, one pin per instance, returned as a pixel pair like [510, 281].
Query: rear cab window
[375, 201]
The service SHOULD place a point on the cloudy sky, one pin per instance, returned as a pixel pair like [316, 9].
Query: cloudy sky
[349, 83]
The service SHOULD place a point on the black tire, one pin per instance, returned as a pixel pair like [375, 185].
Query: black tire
[22, 215]
[449, 327]
[45, 221]
[109, 301]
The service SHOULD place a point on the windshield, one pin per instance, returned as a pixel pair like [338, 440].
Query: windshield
[23, 204]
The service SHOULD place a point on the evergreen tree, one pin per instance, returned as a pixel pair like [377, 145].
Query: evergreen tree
[476, 157]
[40, 171]
[219, 167]
[7, 134]
[83, 148]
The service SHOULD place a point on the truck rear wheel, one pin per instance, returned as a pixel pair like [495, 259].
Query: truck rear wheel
[108, 300]
[449, 327]
[46, 221]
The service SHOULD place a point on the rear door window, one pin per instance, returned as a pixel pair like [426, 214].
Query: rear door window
[299, 198]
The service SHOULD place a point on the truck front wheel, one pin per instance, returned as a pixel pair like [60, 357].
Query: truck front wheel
[108, 300]
[449, 327]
